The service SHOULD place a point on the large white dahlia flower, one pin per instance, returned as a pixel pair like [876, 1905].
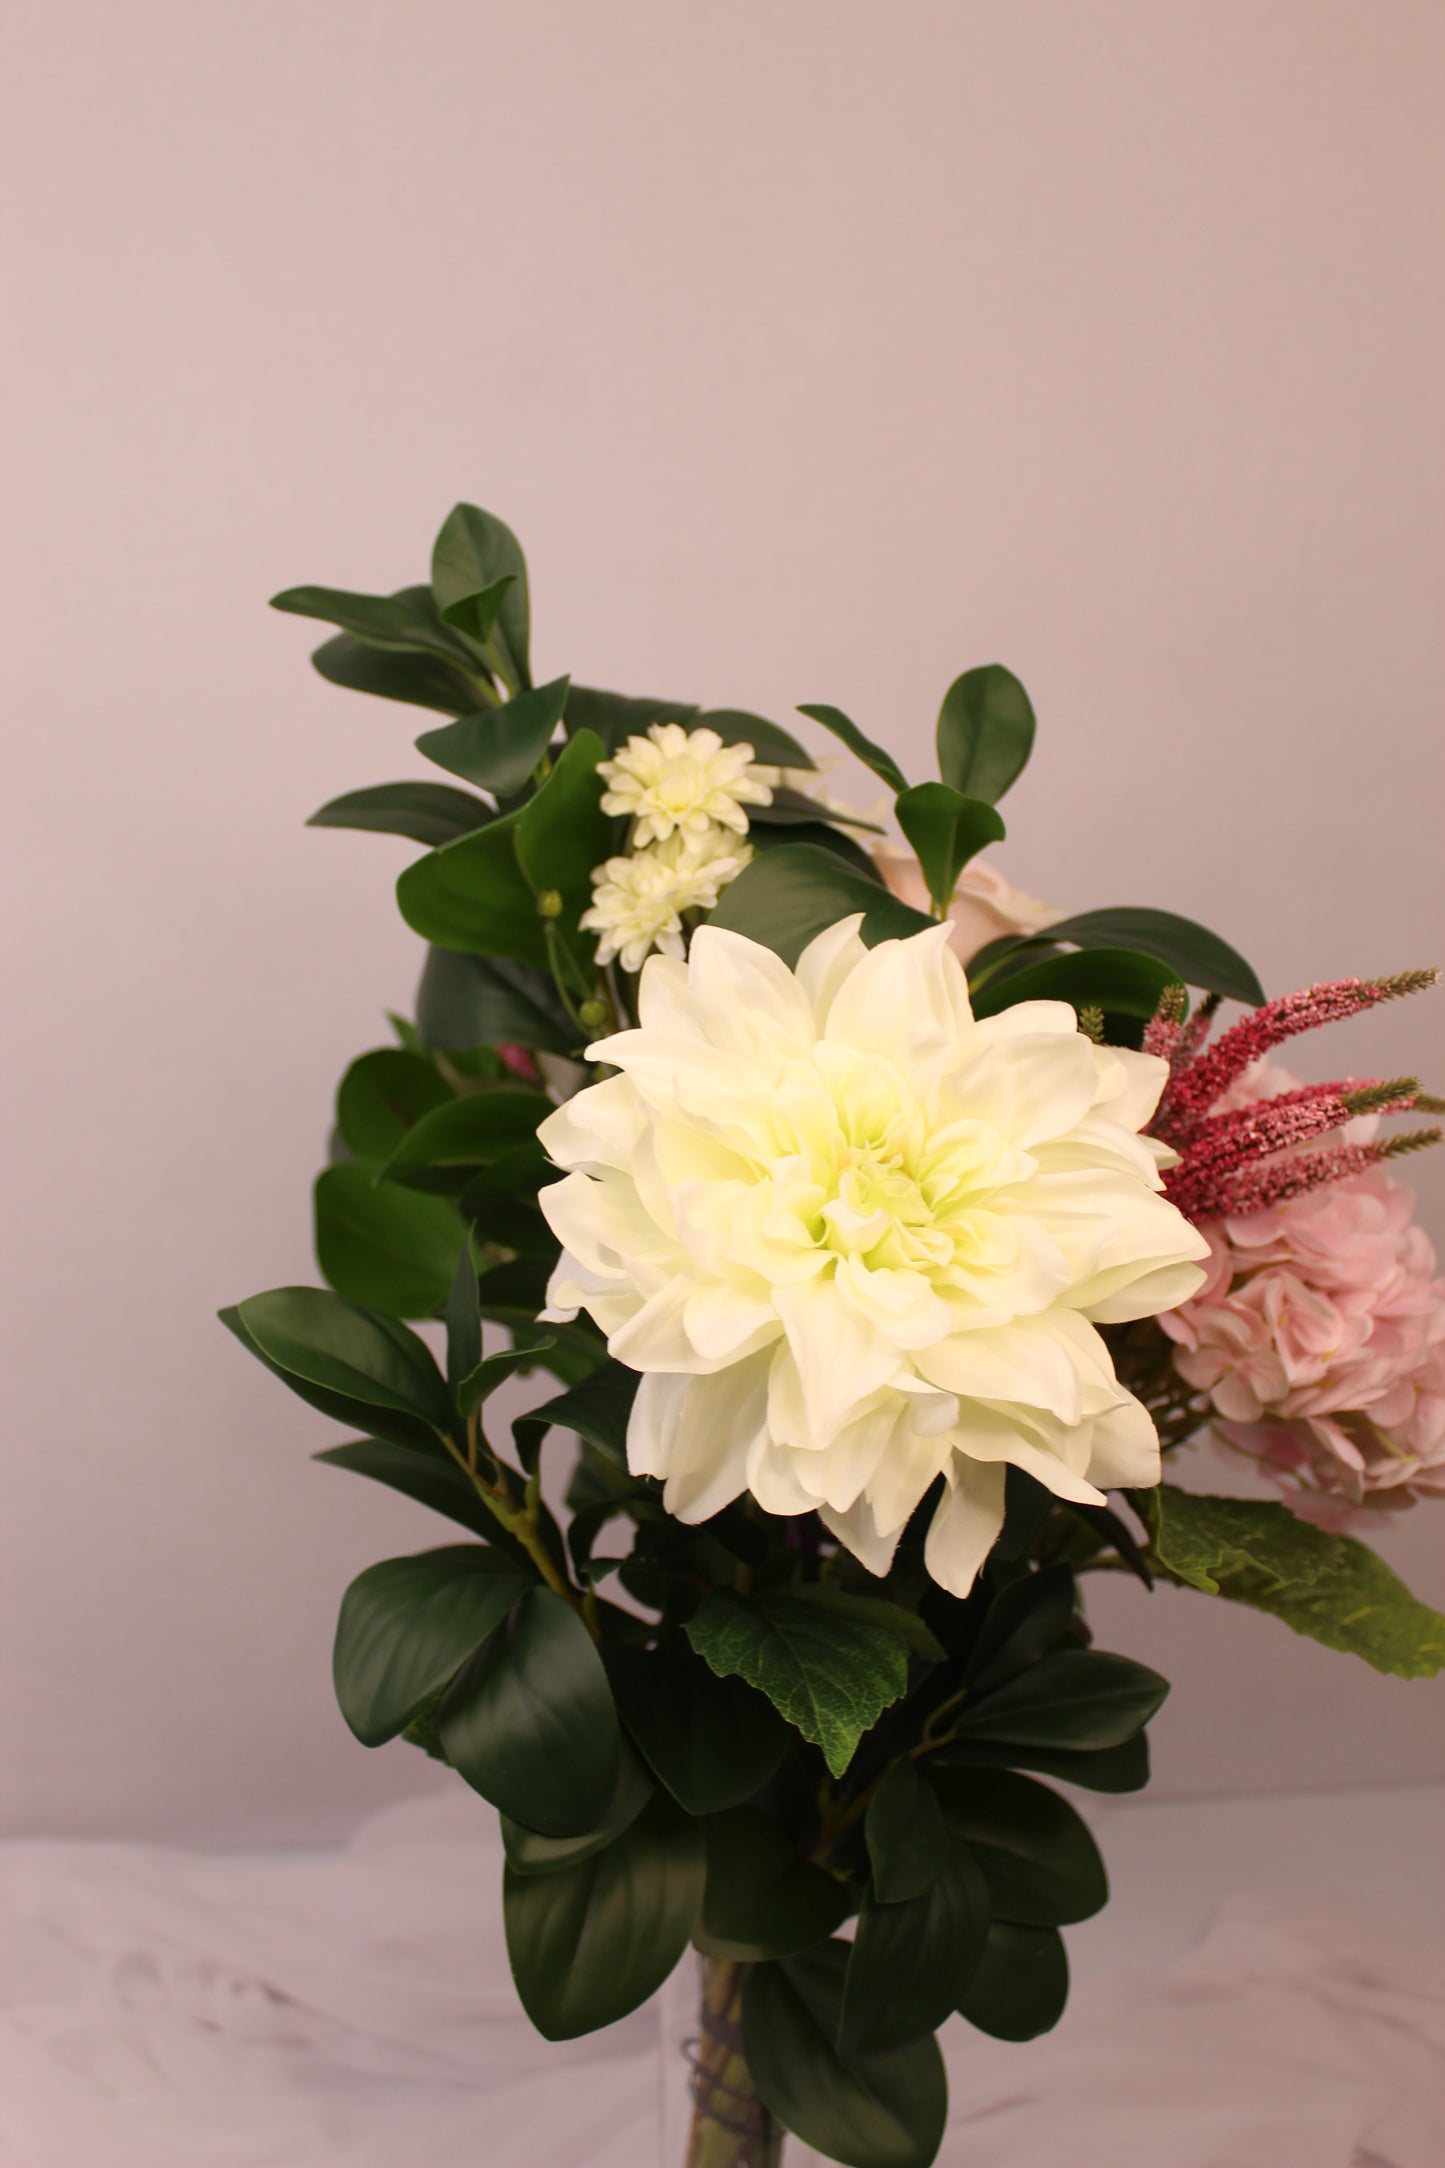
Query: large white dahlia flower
[855, 1240]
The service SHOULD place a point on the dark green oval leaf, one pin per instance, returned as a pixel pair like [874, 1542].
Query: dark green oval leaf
[873, 756]
[473, 895]
[1042, 1865]
[1021, 1984]
[946, 829]
[405, 620]
[593, 1941]
[1079, 1699]
[713, 1742]
[319, 1339]
[499, 748]
[762, 1899]
[1114, 1769]
[384, 1246]
[408, 1624]
[470, 1132]
[428, 1478]
[868, 2111]
[772, 746]
[469, 1001]
[1194, 954]
[381, 1096]
[985, 732]
[472, 553]
[790, 894]
[422, 681]
[907, 1841]
[1104, 978]
[529, 1853]
[913, 1960]
[429, 813]
[562, 832]
[531, 1725]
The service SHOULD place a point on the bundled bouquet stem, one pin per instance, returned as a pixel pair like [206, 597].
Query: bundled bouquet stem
[879, 1229]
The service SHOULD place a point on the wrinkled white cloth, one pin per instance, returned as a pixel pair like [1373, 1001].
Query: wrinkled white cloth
[350, 2008]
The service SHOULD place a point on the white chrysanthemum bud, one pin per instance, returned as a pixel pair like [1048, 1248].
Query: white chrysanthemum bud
[638, 901]
[681, 779]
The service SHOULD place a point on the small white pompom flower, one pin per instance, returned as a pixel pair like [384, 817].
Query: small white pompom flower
[681, 779]
[638, 902]
[857, 1241]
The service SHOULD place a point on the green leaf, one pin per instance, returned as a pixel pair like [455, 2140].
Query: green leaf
[1043, 1867]
[1105, 978]
[468, 1001]
[865, 2111]
[481, 1382]
[429, 813]
[596, 1410]
[405, 620]
[615, 717]
[593, 1941]
[358, 1358]
[905, 1626]
[1193, 953]
[772, 747]
[1029, 1618]
[381, 1096]
[907, 1841]
[912, 1960]
[1329, 1587]
[946, 830]
[464, 1320]
[531, 1725]
[476, 615]
[470, 1132]
[713, 1742]
[1113, 1769]
[766, 836]
[473, 895]
[790, 894]
[427, 1477]
[829, 1675]
[422, 681]
[1079, 1699]
[1021, 1984]
[873, 756]
[474, 550]
[408, 1624]
[985, 732]
[499, 748]
[762, 1899]
[529, 1853]
[562, 832]
[387, 1247]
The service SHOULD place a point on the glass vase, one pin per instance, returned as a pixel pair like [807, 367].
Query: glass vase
[710, 2115]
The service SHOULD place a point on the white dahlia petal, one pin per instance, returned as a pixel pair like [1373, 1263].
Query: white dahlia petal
[1124, 1448]
[965, 1527]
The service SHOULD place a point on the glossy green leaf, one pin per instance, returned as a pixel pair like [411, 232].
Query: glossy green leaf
[463, 1318]
[390, 1248]
[467, 1001]
[912, 1960]
[431, 1479]
[476, 614]
[865, 2111]
[529, 1853]
[470, 1132]
[616, 717]
[762, 1898]
[908, 1845]
[789, 808]
[1193, 953]
[405, 620]
[474, 550]
[1043, 1867]
[531, 1724]
[593, 1941]
[381, 1096]
[772, 746]
[829, 1675]
[1030, 1618]
[1078, 1699]
[1328, 1587]
[408, 1433]
[499, 748]
[985, 732]
[1113, 1769]
[421, 681]
[1104, 978]
[946, 829]
[766, 836]
[713, 1742]
[364, 1359]
[473, 895]
[562, 832]
[873, 756]
[596, 1410]
[407, 1625]
[429, 813]
[481, 1382]
[1021, 1983]
[789, 895]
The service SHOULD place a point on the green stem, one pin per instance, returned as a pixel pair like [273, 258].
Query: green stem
[520, 1522]
[730, 2126]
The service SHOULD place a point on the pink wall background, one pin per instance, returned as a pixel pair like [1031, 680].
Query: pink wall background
[817, 351]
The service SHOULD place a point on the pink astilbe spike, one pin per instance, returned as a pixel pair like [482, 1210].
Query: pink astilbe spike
[1197, 1084]
[1206, 1181]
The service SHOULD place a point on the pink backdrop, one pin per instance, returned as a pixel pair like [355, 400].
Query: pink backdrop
[817, 351]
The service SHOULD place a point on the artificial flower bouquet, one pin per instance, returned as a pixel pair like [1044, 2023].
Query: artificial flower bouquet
[878, 1229]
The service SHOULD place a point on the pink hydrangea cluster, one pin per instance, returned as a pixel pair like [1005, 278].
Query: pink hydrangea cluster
[1319, 1335]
